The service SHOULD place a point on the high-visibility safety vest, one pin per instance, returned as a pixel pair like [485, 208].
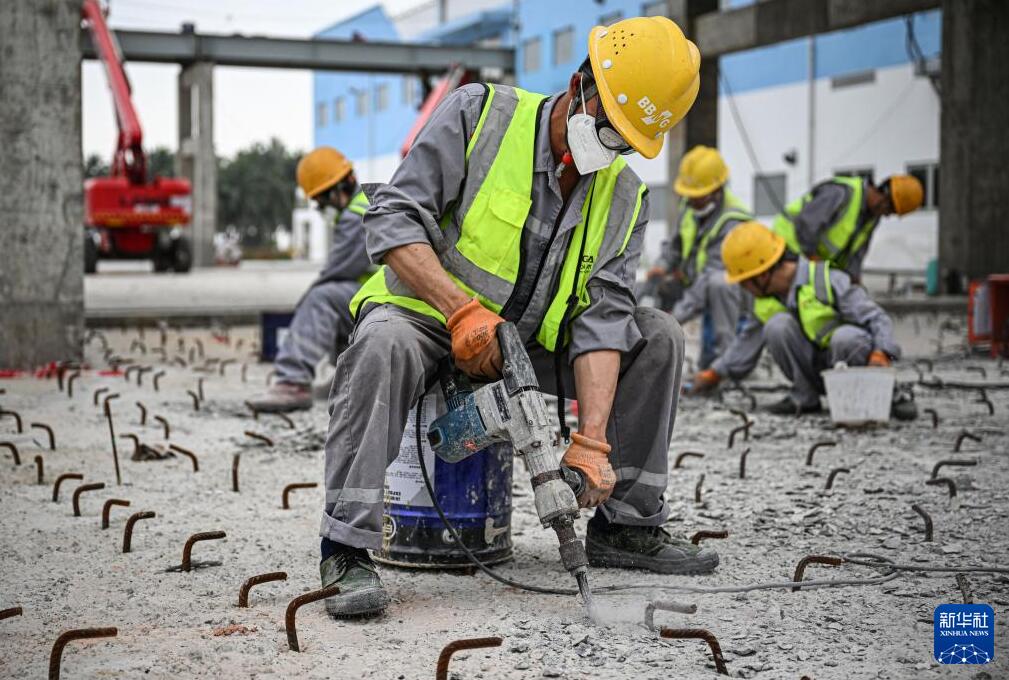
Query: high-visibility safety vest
[479, 241]
[842, 238]
[817, 311]
[359, 204]
[732, 209]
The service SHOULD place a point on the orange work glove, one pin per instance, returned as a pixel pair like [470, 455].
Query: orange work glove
[703, 382]
[591, 458]
[879, 358]
[474, 343]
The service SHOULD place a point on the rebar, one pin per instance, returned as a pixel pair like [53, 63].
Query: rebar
[957, 463]
[699, 634]
[14, 451]
[983, 399]
[71, 379]
[979, 369]
[143, 412]
[16, 416]
[224, 363]
[128, 530]
[112, 436]
[800, 568]
[818, 445]
[63, 478]
[129, 369]
[949, 483]
[294, 605]
[245, 370]
[10, 612]
[833, 474]
[928, 521]
[686, 454]
[935, 416]
[188, 454]
[243, 592]
[742, 462]
[107, 509]
[282, 416]
[199, 388]
[165, 426]
[284, 498]
[665, 606]
[140, 345]
[705, 534]
[255, 413]
[199, 346]
[56, 655]
[261, 437]
[745, 429]
[156, 379]
[40, 468]
[136, 442]
[95, 486]
[698, 487]
[742, 414]
[49, 431]
[441, 672]
[196, 399]
[234, 471]
[140, 374]
[187, 550]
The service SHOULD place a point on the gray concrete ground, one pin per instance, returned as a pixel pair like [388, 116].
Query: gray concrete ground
[66, 572]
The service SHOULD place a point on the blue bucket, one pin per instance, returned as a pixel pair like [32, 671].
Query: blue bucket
[474, 493]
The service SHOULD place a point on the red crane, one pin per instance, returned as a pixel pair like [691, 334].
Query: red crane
[128, 215]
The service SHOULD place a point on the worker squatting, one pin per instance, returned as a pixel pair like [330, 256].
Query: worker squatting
[517, 206]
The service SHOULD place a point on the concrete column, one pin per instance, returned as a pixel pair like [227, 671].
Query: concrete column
[41, 183]
[700, 125]
[974, 146]
[196, 159]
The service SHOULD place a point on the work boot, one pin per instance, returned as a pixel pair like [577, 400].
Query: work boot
[361, 590]
[652, 548]
[282, 398]
[903, 406]
[787, 407]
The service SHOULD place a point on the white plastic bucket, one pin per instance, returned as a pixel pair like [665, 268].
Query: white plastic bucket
[859, 394]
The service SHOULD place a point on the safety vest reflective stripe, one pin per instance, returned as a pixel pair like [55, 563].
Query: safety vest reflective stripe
[840, 239]
[479, 242]
[817, 311]
[358, 204]
[732, 209]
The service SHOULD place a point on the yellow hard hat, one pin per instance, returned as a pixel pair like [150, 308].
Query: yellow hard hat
[702, 171]
[750, 250]
[321, 169]
[647, 76]
[906, 193]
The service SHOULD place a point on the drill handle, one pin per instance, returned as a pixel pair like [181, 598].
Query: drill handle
[517, 371]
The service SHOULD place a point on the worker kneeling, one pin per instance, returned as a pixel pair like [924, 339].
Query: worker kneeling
[516, 206]
[809, 315]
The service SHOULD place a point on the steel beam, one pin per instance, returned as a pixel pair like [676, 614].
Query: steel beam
[775, 21]
[316, 55]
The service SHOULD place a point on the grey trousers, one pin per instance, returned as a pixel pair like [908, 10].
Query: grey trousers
[394, 353]
[722, 300]
[801, 361]
[321, 322]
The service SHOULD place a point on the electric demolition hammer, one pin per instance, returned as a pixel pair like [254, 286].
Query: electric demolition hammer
[513, 410]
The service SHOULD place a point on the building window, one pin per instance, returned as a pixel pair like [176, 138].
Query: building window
[409, 91]
[563, 44]
[654, 9]
[768, 193]
[339, 110]
[361, 102]
[320, 114]
[865, 173]
[928, 175]
[531, 55]
[382, 97]
[611, 18]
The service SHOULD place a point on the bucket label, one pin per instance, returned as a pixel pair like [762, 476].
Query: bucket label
[404, 482]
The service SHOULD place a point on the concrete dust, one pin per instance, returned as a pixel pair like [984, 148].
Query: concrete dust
[69, 573]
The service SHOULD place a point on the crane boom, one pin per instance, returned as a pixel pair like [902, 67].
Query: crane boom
[129, 159]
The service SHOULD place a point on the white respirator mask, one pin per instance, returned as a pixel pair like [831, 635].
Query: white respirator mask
[586, 149]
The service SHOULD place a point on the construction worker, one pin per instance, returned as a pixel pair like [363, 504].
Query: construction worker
[322, 321]
[835, 221]
[809, 315]
[708, 211]
[517, 206]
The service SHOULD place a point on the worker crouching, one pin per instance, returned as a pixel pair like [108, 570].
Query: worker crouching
[808, 314]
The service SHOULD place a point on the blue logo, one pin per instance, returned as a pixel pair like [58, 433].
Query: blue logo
[964, 633]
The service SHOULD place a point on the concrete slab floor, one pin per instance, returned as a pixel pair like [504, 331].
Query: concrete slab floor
[66, 572]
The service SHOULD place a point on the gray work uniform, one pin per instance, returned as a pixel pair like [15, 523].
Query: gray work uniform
[829, 200]
[708, 291]
[394, 352]
[322, 319]
[865, 327]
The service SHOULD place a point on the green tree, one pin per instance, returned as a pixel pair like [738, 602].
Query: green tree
[160, 162]
[255, 190]
[94, 166]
